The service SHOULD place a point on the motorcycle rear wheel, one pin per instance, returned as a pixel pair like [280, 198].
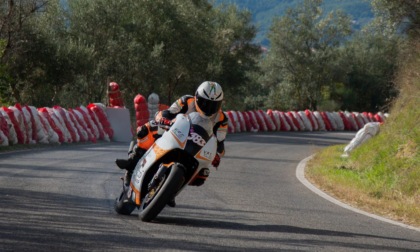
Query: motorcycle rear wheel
[169, 188]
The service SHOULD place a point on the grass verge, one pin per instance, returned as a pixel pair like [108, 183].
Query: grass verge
[383, 175]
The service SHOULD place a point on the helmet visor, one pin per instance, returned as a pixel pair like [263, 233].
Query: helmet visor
[207, 106]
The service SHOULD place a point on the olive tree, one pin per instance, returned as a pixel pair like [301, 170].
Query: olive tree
[404, 13]
[15, 37]
[301, 62]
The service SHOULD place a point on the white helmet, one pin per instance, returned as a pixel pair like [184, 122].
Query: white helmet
[208, 98]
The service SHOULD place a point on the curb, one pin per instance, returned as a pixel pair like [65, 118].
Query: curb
[300, 174]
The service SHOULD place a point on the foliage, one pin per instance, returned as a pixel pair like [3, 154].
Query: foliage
[15, 16]
[66, 52]
[167, 47]
[236, 57]
[316, 61]
[405, 13]
[382, 174]
[304, 49]
[264, 11]
[170, 46]
[371, 59]
[4, 78]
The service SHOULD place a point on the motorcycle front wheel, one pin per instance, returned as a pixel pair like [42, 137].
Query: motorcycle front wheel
[152, 206]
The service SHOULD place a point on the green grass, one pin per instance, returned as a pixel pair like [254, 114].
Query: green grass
[383, 174]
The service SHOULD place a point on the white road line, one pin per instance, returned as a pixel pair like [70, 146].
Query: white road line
[300, 174]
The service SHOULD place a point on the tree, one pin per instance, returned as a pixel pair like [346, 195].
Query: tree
[371, 58]
[167, 47]
[70, 52]
[14, 16]
[405, 13]
[301, 62]
[4, 76]
[155, 46]
[235, 56]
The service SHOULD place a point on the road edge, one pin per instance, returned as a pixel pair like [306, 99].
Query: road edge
[300, 174]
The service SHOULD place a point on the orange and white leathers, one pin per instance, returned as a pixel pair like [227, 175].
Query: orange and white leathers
[186, 105]
[179, 136]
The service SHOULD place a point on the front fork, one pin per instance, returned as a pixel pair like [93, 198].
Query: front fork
[158, 177]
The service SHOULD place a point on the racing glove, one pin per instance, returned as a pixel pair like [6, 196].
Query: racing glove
[216, 161]
[165, 123]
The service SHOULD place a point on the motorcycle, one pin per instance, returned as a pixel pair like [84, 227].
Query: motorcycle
[178, 158]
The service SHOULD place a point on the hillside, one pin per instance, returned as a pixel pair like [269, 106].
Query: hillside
[382, 175]
[263, 11]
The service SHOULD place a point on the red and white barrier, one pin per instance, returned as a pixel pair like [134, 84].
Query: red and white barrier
[253, 121]
[97, 110]
[242, 121]
[292, 121]
[351, 118]
[259, 115]
[247, 120]
[359, 119]
[142, 111]
[305, 120]
[231, 127]
[300, 124]
[309, 114]
[235, 122]
[268, 121]
[284, 124]
[4, 131]
[83, 124]
[346, 122]
[28, 125]
[69, 130]
[115, 96]
[274, 120]
[152, 105]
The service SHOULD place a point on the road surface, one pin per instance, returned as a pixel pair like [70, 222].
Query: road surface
[61, 199]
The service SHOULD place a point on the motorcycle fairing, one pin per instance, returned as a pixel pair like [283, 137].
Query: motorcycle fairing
[205, 157]
[179, 136]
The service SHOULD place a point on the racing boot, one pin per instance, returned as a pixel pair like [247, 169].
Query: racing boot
[129, 164]
[133, 157]
[127, 177]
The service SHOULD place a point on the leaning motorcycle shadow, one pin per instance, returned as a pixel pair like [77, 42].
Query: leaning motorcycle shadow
[174, 217]
[236, 226]
[188, 215]
[270, 228]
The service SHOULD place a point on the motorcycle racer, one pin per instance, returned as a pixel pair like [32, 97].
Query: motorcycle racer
[207, 101]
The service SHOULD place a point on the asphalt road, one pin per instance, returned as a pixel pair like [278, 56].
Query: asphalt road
[61, 199]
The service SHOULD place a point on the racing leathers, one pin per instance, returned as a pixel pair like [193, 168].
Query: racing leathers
[148, 133]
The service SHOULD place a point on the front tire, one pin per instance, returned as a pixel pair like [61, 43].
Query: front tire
[149, 211]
